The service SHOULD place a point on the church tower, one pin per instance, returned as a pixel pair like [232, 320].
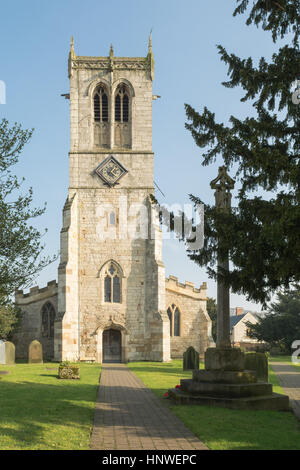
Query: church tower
[111, 279]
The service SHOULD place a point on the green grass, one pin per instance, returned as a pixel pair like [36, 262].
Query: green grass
[286, 359]
[220, 428]
[40, 411]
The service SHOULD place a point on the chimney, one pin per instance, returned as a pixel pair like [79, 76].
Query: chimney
[239, 310]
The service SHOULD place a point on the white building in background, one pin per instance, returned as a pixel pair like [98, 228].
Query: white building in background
[239, 331]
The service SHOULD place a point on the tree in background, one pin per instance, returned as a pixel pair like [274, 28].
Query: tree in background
[20, 242]
[10, 317]
[262, 232]
[281, 325]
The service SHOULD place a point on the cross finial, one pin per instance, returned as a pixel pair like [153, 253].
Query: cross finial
[223, 180]
[222, 184]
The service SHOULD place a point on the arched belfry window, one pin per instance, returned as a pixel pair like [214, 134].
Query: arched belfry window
[48, 317]
[100, 105]
[122, 117]
[122, 104]
[112, 284]
[101, 117]
[174, 317]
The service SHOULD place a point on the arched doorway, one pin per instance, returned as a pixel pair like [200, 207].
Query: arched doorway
[112, 346]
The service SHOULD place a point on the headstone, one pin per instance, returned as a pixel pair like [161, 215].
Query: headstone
[35, 355]
[190, 359]
[2, 351]
[7, 352]
[259, 363]
[10, 352]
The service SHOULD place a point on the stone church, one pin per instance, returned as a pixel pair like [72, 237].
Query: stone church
[112, 301]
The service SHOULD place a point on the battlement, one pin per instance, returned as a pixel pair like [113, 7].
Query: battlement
[36, 293]
[111, 62]
[187, 288]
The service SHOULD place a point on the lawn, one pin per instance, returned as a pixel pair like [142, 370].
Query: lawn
[40, 411]
[220, 428]
[286, 359]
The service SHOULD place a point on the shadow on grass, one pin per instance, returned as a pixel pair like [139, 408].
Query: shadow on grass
[221, 428]
[33, 413]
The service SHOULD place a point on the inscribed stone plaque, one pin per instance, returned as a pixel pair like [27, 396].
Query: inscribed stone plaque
[2, 352]
[35, 355]
[10, 352]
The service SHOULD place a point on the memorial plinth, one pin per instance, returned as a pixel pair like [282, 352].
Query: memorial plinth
[229, 386]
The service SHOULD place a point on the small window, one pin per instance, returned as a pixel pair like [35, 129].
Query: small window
[112, 218]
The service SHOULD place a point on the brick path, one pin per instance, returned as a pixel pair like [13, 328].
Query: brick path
[289, 379]
[129, 416]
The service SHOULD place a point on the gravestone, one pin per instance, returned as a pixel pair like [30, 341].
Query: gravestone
[190, 359]
[35, 355]
[7, 352]
[10, 352]
[259, 363]
[2, 352]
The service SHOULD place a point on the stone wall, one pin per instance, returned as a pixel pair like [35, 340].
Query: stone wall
[195, 324]
[31, 304]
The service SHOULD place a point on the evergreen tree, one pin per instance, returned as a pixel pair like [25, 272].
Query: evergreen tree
[281, 325]
[262, 233]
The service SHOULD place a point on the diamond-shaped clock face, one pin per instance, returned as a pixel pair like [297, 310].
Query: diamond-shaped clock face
[110, 170]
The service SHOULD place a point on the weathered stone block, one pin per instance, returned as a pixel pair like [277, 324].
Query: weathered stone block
[224, 376]
[224, 359]
[259, 363]
[225, 390]
[270, 402]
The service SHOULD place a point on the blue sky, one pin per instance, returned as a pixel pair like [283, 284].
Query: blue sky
[35, 38]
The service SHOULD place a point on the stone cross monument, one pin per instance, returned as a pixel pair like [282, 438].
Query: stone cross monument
[225, 381]
[222, 185]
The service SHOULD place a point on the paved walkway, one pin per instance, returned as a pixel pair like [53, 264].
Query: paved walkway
[289, 379]
[129, 416]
